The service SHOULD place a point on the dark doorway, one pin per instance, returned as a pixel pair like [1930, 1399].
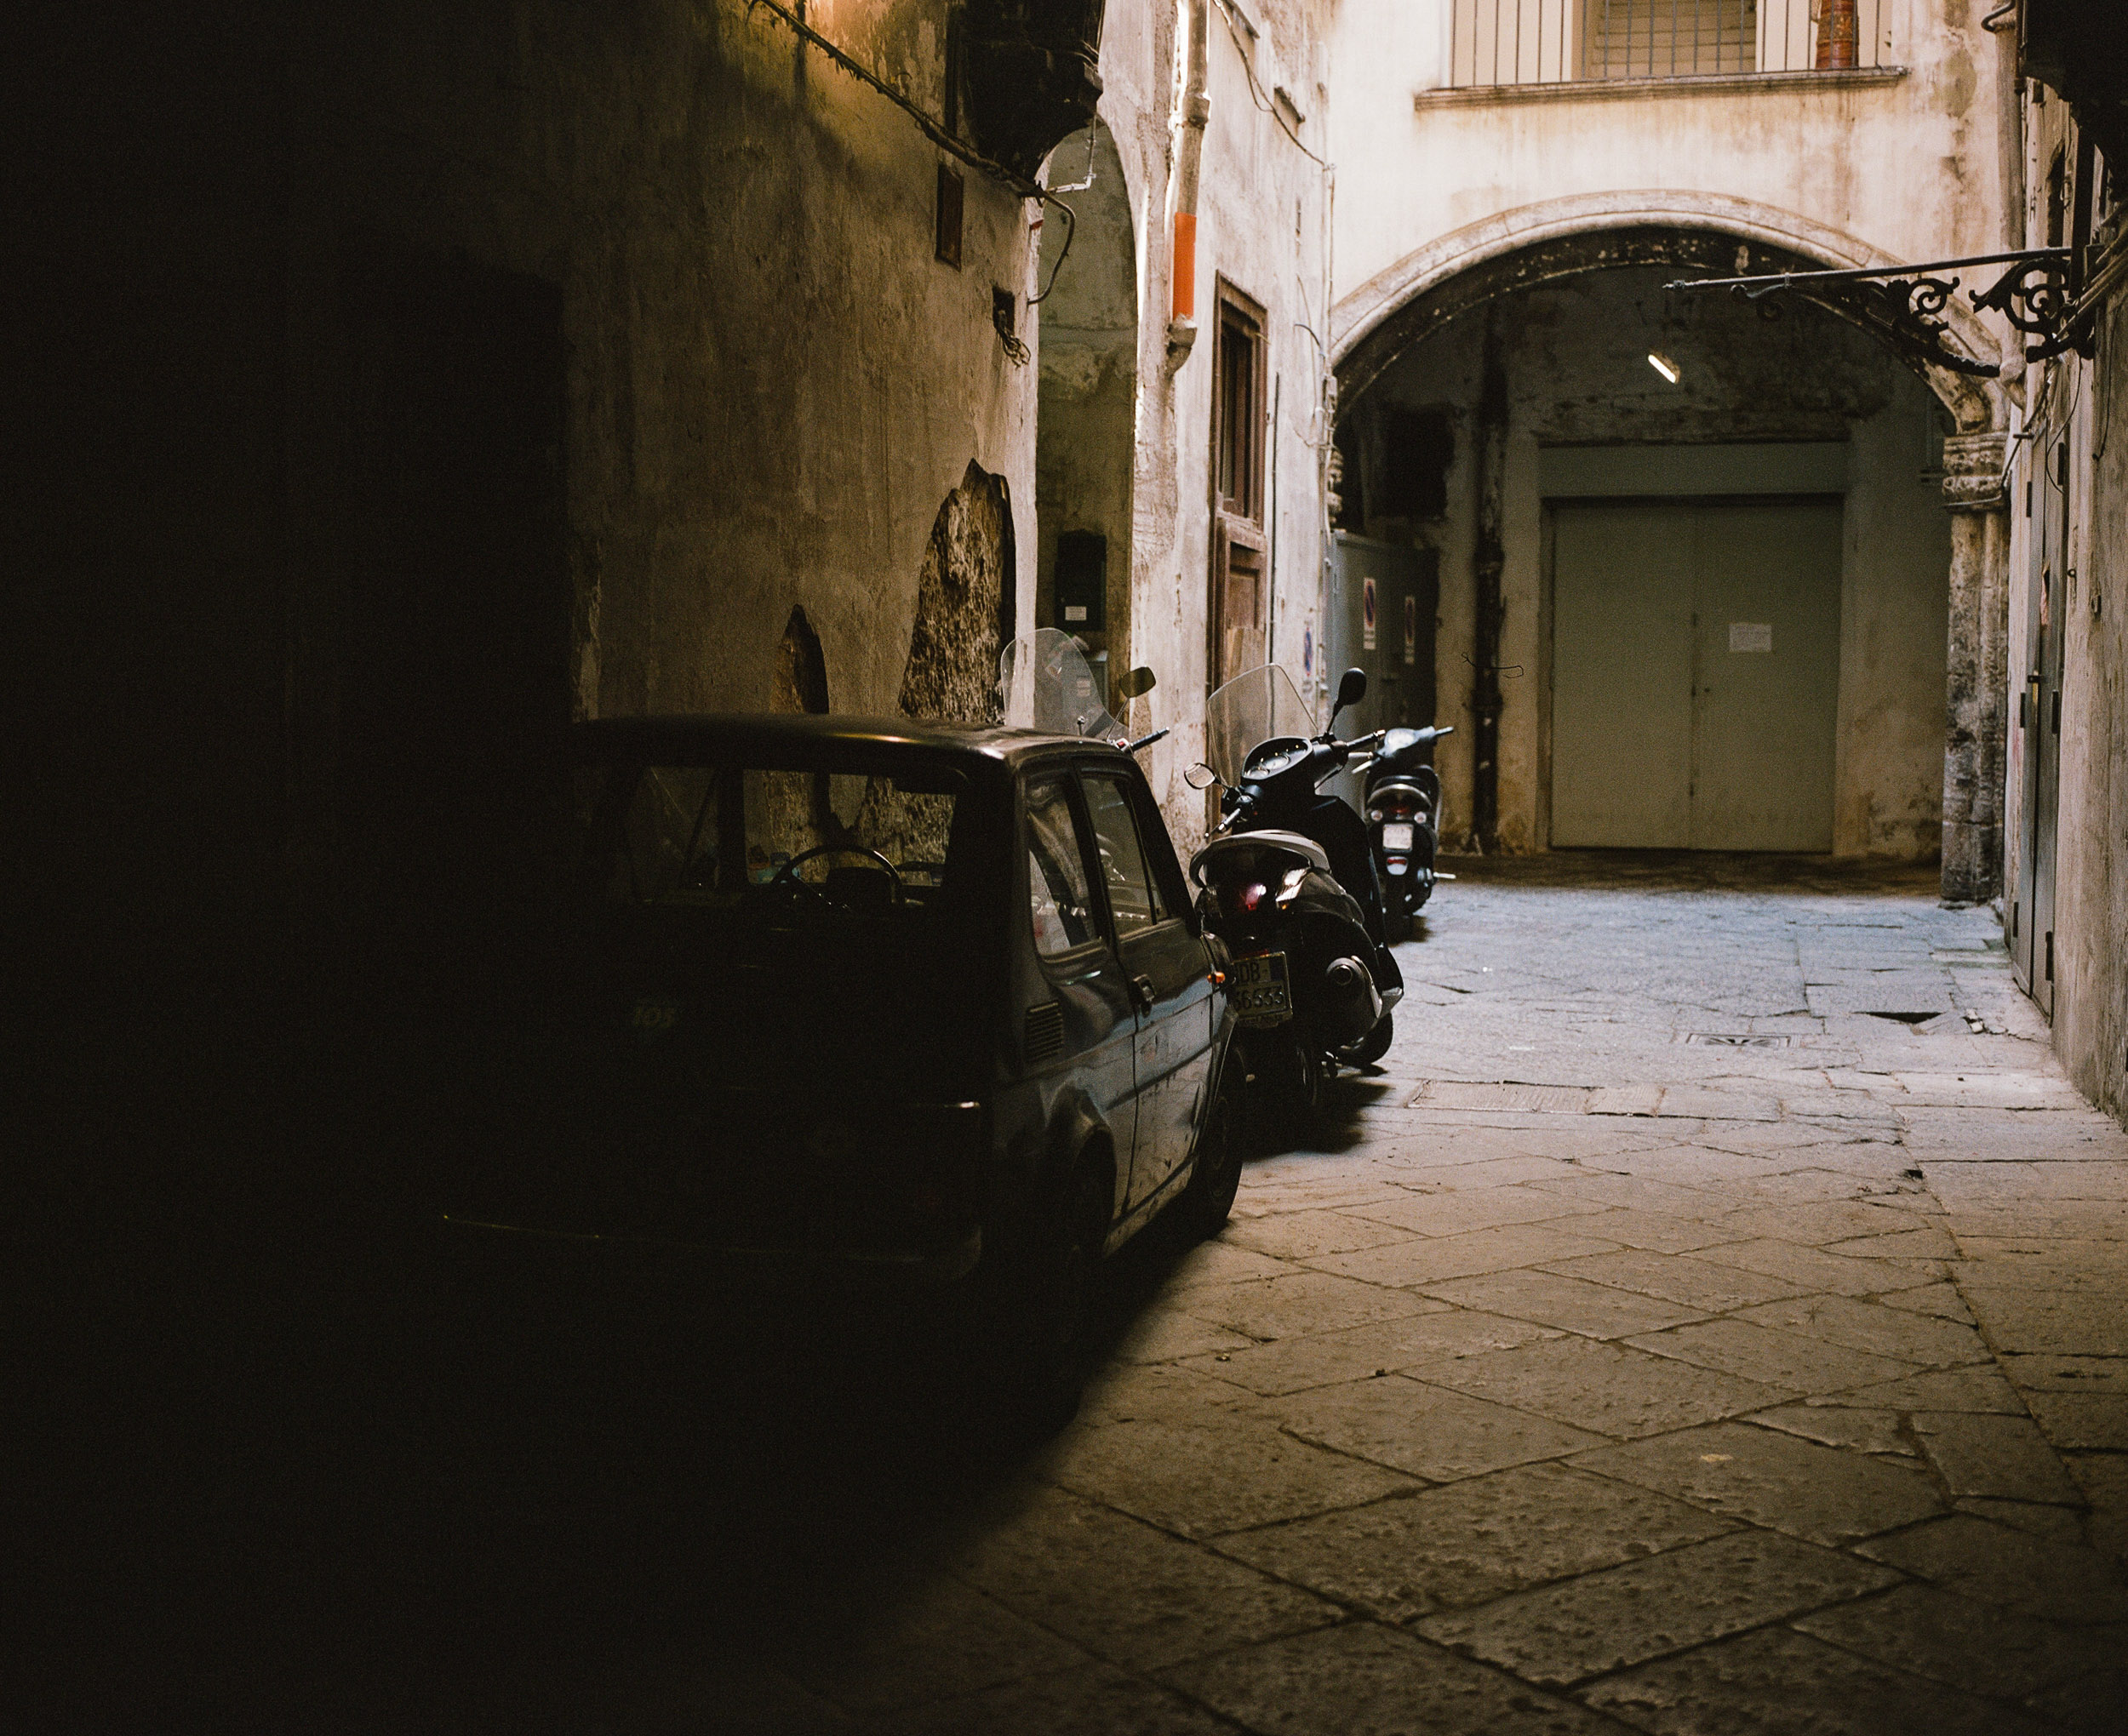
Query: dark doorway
[458, 625]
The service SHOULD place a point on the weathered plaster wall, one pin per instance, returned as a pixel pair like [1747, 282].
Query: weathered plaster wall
[773, 385]
[1576, 356]
[2091, 912]
[1262, 224]
[1905, 165]
[2077, 400]
[1086, 421]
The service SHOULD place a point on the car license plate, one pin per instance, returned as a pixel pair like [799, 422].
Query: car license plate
[1395, 836]
[1257, 988]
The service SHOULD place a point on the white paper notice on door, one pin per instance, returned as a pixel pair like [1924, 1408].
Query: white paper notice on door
[1751, 636]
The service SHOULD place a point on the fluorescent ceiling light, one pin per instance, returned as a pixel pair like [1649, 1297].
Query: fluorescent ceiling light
[1664, 366]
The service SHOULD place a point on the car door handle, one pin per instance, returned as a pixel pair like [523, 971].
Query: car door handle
[1143, 993]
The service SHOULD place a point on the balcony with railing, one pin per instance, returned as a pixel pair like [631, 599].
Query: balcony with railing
[1497, 43]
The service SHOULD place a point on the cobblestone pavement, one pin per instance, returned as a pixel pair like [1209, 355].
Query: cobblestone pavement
[1709, 1319]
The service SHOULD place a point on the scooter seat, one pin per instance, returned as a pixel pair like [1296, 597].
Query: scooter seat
[1235, 843]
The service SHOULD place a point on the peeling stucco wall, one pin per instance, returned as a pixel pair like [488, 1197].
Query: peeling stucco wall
[958, 633]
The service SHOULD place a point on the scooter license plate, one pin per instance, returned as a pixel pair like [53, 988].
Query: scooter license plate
[1257, 986]
[1395, 836]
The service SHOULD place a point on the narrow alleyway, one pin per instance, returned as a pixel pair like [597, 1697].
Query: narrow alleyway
[1712, 1318]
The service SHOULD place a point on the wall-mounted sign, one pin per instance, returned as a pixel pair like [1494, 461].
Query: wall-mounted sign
[1410, 630]
[1367, 614]
[1751, 636]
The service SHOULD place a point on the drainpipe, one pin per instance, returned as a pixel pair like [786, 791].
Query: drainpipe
[1192, 112]
[1488, 559]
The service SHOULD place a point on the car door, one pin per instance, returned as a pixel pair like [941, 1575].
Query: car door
[1164, 961]
[1089, 1019]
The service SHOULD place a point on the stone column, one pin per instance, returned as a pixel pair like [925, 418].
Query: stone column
[1976, 687]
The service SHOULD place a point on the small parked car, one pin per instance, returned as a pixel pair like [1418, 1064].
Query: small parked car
[923, 1002]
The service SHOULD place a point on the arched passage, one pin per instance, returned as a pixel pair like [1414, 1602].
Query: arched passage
[1695, 234]
[1085, 430]
[1527, 338]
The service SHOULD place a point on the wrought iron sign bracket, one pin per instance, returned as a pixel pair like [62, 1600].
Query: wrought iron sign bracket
[1906, 303]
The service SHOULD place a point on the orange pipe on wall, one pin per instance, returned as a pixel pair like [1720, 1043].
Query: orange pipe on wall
[1185, 265]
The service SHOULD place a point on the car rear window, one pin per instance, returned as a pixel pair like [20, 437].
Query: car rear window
[858, 839]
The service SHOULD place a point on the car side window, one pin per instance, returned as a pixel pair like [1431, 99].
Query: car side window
[1062, 903]
[1133, 895]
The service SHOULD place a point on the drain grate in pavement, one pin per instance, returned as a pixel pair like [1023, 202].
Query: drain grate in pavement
[1503, 1094]
[1746, 1039]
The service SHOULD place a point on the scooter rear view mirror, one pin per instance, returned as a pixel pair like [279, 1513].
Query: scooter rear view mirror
[1200, 776]
[1352, 688]
[1136, 684]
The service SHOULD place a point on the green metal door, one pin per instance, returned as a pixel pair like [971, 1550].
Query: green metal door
[1622, 675]
[1696, 674]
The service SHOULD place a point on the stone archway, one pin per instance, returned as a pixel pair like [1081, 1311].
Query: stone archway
[1713, 235]
[1704, 232]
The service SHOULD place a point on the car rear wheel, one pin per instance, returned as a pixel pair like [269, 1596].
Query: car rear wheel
[1050, 1313]
[1209, 1199]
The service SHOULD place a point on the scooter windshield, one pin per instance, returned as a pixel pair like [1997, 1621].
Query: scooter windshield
[1045, 682]
[1249, 709]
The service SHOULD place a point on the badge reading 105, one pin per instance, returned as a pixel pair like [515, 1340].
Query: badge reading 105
[1257, 988]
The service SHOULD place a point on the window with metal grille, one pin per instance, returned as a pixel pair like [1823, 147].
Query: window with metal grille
[1549, 42]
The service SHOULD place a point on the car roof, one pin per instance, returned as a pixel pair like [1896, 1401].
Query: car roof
[716, 733]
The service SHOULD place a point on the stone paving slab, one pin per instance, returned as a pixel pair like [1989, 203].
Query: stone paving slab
[1385, 1347]
[1423, 1429]
[2004, 1457]
[1469, 1542]
[1604, 1621]
[1261, 1309]
[1431, 1259]
[1993, 1563]
[1126, 1592]
[1570, 1303]
[1092, 1699]
[1780, 1682]
[1861, 1430]
[1978, 1647]
[1367, 1681]
[1689, 1281]
[1903, 1335]
[1809, 1269]
[1786, 1360]
[1822, 1493]
[1200, 1481]
[1297, 1235]
[1607, 1388]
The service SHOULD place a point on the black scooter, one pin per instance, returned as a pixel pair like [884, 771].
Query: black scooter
[1404, 821]
[1288, 886]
